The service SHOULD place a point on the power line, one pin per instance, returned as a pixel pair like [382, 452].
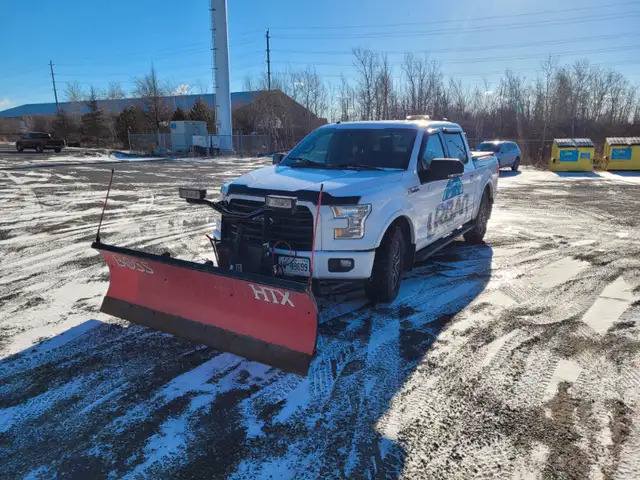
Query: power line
[458, 30]
[598, 7]
[501, 46]
[488, 59]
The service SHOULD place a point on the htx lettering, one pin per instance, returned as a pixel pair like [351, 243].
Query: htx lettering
[271, 295]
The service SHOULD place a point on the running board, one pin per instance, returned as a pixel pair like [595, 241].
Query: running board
[436, 246]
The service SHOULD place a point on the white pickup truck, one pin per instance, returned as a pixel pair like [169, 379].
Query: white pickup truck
[367, 198]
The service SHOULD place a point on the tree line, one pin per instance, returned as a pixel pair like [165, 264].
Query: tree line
[101, 128]
[575, 100]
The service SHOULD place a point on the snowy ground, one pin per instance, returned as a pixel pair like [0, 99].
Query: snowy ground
[516, 359]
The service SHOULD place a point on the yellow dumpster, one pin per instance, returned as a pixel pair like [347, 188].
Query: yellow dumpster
[572, 155]
[622, 153]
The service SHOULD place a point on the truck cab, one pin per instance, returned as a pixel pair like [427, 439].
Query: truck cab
[361, 201]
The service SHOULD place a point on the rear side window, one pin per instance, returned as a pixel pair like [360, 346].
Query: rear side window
[456, 147]
[432, 149]
[488, 147]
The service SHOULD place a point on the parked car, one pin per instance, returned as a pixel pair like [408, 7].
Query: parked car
[507, 152]
[39, 141]
[394, 192]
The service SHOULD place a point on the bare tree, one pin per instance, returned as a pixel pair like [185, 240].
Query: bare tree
[149, 90]
[366, 64]
[74, 92]
[114, 91]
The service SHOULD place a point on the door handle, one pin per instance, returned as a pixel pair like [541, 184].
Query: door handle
[414, 189]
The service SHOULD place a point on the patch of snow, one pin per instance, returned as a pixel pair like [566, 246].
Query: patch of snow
[566, 371]
[609, 306]
[559, 272]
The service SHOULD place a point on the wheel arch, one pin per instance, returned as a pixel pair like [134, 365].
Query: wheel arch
[488, 187]
[406, 225]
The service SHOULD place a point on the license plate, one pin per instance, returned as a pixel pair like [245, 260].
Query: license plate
[294, 265]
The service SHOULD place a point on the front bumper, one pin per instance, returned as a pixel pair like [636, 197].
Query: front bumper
[362, 263]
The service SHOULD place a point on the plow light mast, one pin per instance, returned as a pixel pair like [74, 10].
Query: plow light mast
[221, 74]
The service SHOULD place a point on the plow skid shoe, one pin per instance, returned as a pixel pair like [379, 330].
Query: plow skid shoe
[265, 319]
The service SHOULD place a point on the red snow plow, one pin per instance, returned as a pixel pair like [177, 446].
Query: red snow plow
[237, 307]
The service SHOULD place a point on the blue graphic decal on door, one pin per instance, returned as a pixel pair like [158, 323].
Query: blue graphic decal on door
[453, 188]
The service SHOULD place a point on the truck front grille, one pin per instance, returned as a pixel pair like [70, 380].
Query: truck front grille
[296, 229]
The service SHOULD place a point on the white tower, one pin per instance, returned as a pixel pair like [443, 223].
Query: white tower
[221, 73]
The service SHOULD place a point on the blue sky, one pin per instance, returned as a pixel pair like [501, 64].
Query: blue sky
[95, 42]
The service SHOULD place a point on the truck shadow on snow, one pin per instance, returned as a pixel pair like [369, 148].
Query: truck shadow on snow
[109, 399]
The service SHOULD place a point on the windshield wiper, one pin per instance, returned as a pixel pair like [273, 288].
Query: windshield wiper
[304, 162]
[358, 166]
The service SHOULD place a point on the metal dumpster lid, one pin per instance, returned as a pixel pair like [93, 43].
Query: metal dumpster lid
[573, 142]
[623, 140]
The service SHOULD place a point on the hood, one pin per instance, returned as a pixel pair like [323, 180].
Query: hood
[336, 182]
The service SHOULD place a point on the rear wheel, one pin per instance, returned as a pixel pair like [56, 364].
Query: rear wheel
[516, 164]
[20, 149]
[388, 266]
[39, 149]
[476, 234]
[57, 150]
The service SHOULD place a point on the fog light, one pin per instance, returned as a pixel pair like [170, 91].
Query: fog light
[340, 264]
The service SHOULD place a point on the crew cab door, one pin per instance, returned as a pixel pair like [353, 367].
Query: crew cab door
[426, 197]
[456, 146]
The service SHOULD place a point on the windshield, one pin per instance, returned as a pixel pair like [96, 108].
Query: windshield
[371, 148]
[488, 147]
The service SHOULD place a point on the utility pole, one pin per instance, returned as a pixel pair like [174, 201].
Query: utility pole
[55, 92]
[268, 62]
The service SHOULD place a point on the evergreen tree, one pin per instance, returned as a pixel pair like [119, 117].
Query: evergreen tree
[178, 115]
[201, 111]
[62, 125]
[93, 123]
[128, 121]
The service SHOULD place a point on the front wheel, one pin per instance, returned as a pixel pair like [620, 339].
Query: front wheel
[20, 149]
[477, 233]
[515, 165]
[39, 149]
[57, 150]
[388, 266]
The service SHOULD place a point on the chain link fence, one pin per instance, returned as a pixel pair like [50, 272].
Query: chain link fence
[201, 145]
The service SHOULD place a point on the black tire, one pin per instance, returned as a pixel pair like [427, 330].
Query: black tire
[57, 150]
[388, 267]
[476, 234]
[515, 165]
[20, 149]
[39, 149]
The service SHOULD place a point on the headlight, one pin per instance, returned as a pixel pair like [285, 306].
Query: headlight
[355, 216]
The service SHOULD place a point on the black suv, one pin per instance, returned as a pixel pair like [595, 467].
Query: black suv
[39, 142]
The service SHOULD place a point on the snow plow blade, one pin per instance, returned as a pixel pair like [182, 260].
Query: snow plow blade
[269, 320]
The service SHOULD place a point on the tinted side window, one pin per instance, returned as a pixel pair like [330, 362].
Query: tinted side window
[455, 145]
[432, 149]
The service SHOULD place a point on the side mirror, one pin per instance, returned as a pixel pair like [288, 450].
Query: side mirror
[277, 157]
[443, 169]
